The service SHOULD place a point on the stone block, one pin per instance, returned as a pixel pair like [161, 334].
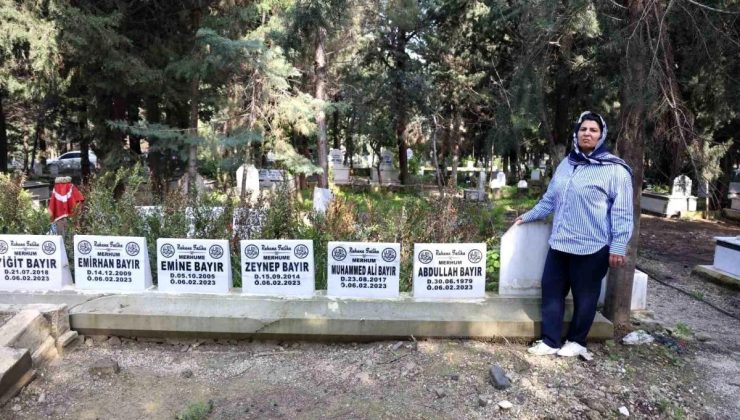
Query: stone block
[58, 320]
[735, 203]
[27, 329]
[719, 277]
[66, 339]
[727, 255]
[14, 365]
[45, 352]
[319, 317]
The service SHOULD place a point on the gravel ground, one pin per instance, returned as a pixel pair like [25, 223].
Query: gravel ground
[428, 379]
[668, 255]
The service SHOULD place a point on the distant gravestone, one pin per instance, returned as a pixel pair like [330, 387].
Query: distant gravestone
[193, 265]
[33, 262]
[681, 186]
[498, 182]
[524, 248]
[115, 263]
[247, 223]
[321, 199]
[363, 269]
[450, 271]
[341, 172]
[386, 160]
[482, 181]
[536, 175]
[277, 267]
[336, 157]
[252, 182]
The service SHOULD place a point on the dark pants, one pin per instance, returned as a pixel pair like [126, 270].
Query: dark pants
[580, 273]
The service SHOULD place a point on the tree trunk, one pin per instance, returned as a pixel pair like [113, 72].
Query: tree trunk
[3, 138]
[455, 143]
[440, 183]
[36, 139]
[320, 65]
[193, 113]
[631, 146]
[335, 127]
[400, 104]
[132, 117]
[193, 132]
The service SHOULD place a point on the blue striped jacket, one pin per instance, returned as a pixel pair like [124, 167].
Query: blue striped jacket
[592, 206]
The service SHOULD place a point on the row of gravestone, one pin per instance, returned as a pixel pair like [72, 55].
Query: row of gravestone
[268, 267]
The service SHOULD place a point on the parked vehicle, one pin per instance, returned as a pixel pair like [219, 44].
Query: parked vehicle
[734, 191]
[70, 162]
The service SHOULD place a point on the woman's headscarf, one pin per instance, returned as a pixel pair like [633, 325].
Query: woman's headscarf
[600, 155]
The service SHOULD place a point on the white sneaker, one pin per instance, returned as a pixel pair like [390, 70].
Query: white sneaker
[571, 349]
[542, 349]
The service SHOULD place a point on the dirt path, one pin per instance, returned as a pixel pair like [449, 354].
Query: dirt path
[670, 249]
[433, 379]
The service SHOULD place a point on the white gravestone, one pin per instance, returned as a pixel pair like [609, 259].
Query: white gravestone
[341, 172]
[193, 265]
[119, 263]
[388, 174]
[681, 186]
[321, 199]
[536, 175]
[499, 181]
[678, 202]
[522, 185]
[639, 291]
[33, 262]
[450, 271]
[252, 184]
[363, 269]
[523, 251]
[277, 267]
[727, 255]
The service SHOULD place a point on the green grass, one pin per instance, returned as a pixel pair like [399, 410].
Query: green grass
[195, 411]
[682, 330]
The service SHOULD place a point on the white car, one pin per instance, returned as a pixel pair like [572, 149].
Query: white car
[71, 161]
[734, 191]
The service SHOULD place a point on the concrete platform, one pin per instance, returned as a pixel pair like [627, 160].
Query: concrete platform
[732, 214]
[321, 318]
[718, 276]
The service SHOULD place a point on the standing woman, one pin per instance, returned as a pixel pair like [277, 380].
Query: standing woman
[591, 196]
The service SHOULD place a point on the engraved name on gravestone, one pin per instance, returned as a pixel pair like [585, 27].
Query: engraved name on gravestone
[33, 262]
[450, 271]
[112, 263]
[363, 269]
[193, 265]
[277, 267]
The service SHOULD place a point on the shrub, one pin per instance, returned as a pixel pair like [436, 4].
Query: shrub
[18, 213]
[110, 205]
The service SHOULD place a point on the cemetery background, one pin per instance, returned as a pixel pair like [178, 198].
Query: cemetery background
[274, 84]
